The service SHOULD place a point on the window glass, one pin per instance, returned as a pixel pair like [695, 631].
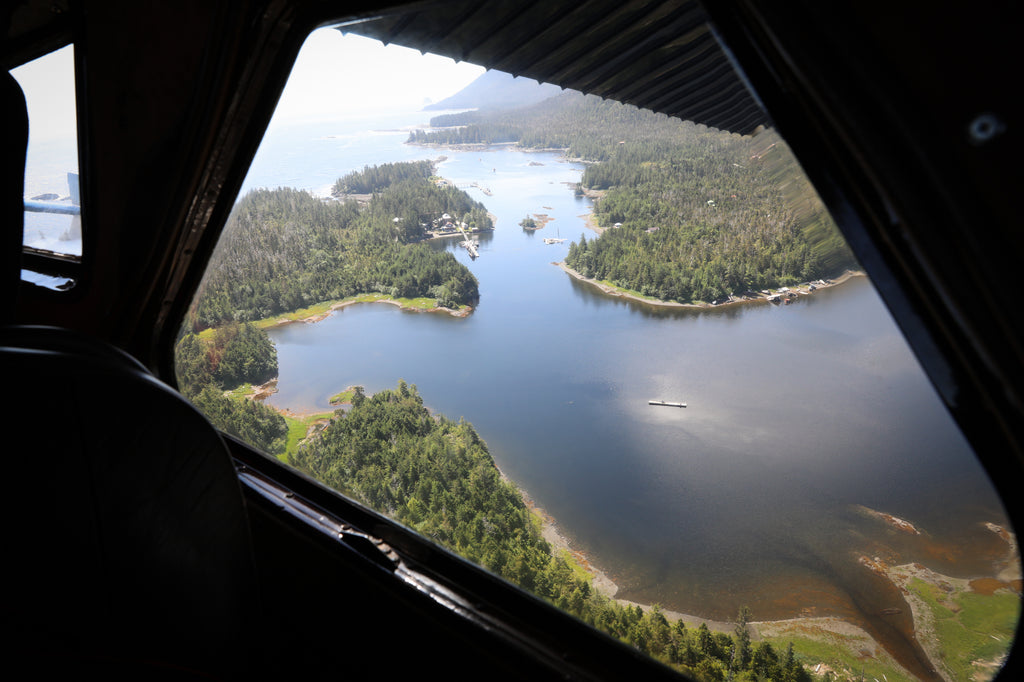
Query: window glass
[52, 205]
[626, 362]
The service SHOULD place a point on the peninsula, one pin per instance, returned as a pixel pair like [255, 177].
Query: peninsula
[284, 250]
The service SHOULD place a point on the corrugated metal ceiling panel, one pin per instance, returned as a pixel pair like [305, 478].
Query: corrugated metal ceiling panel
[653, 54]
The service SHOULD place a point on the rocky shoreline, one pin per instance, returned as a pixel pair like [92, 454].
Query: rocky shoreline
[831, 630]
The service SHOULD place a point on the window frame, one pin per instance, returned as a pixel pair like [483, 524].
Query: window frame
[53, 264]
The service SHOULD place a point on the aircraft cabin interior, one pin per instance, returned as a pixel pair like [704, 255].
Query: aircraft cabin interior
[146, 544]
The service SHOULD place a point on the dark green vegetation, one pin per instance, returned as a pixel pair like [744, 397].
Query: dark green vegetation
[284, 249]
[437, 476]
[373, 179]
[690, 214]
[232, 355]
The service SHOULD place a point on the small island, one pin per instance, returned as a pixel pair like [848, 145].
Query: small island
[536, 221]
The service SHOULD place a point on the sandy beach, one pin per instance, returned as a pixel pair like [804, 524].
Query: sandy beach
[590, 222]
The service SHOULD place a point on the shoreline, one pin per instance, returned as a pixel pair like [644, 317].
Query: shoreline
[601, 581]
[759, 630]
[313, 318]
[785, 293]
[604, 584]
[541, 220]
[832, 630]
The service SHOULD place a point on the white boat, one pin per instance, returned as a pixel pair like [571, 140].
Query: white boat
[554, 240]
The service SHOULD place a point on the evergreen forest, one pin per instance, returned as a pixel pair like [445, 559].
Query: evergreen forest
[234, 354]
[284, 249]
[686, 213]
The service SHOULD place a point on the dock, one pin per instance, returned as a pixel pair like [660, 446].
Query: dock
[665, 403]
[469, 244]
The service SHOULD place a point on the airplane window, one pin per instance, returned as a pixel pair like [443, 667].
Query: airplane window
[52, 206]
[625, 362]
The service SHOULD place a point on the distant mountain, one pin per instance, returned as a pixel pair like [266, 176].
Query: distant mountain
[497, 90]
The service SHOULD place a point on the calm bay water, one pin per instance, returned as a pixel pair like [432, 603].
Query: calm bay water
[746, 497]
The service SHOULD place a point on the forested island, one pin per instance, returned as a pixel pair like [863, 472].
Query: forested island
[285, 249]
[686, 214]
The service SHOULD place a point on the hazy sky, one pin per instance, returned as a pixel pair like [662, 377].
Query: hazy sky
[335, 75]
[344, 74]
[49, 87]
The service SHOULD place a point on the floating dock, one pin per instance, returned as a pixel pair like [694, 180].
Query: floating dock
[665, 403]
[469, 244]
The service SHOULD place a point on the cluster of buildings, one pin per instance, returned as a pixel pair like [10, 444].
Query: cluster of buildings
[447, 225]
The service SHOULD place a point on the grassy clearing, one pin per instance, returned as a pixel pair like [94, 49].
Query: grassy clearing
[968, 633]
[537, 519]
[853, 654]
[345, 397]
[579, 569]
[298, 427]
[971, 628]
[630, 292]
[297, 315]
[422, 304]
[240, 392]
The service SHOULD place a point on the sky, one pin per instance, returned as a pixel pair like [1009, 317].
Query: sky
[335, 75]
[339, 74]
[49, 87]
